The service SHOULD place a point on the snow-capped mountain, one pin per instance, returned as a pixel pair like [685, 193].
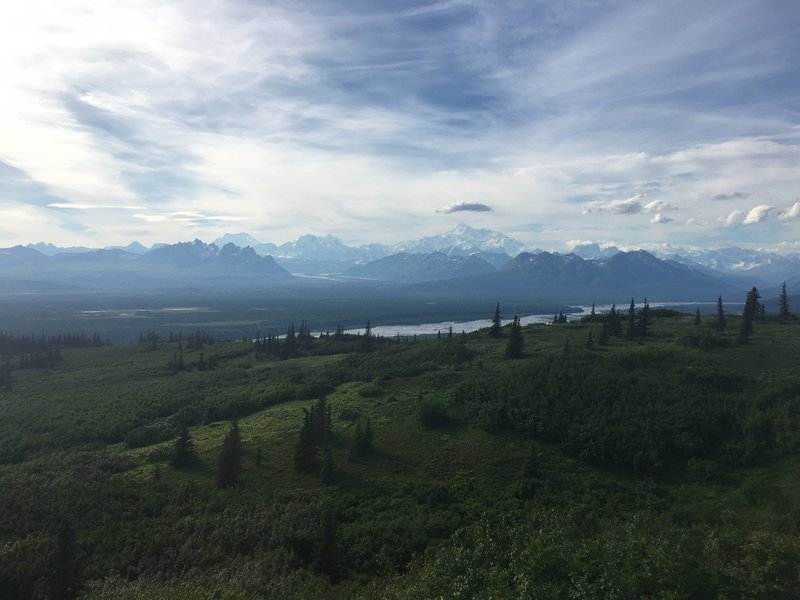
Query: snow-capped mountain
[769, 267]
[241, 239]
[463, 240]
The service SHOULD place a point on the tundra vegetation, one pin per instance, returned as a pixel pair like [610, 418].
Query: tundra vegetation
[644, 453]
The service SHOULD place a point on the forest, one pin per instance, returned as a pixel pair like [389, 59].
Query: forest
[640, 453]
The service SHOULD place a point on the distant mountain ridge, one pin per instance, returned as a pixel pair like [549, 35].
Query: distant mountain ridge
[570, 278]
[411, 268]
[464, 254]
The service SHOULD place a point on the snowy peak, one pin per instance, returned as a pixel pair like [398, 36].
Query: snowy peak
[464, 240]
[241, 239]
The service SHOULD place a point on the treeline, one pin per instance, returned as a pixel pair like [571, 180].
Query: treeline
[39, 351]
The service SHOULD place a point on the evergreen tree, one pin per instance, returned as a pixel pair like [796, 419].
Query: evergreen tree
[494, 330]
[697, 318]
[783, 305]
[614, 324]
[315, 432]
[749, 314]
[643, 326]
[721, 322]
[366, 341]
[289, 348]
[590, 341]
[230, 458]
[515, 341]
[183, 452]
[305, 451]
[630, 331]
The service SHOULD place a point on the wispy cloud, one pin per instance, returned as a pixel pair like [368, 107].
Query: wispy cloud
[660, 219]
[464, 207]
[730, 196]
[357, 118]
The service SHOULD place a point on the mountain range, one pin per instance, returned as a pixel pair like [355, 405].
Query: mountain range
[464, 260]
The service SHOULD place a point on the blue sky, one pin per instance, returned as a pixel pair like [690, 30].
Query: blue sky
[633, 123]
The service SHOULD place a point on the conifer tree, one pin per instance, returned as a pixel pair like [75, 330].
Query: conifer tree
[697, 318]
[749, 314]
[362, 439]
[515, 341]
[305, 451]
[494, 330]
[783, 305]
[230, 458]
[721, 322]
[630, 332]
[614, 325]
[315, 432]
[643, 325]
[590, 341]
[183, 453]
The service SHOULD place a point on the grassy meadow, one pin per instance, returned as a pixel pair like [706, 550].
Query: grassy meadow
[664, 464]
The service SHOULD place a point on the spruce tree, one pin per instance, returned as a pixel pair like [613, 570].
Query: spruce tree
[614, 325]
[697, 318]
[643, 326]
[749, 314]
[721, 322]
[366, 341]
[305, 451]
[630, 332]
[515, 341]
[590, 341]
[494, 330]
[783, 305]
[183, 452]
[230, 458]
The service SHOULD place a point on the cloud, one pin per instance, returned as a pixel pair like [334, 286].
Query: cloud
[85, 206]
[657, 206]
[758, 214]
[790, 213]
[659, 219]
[731, 196]
[734, 218]
[629, 206]
[464, 207]
[357, 120]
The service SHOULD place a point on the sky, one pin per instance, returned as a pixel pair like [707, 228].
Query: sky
[633, 123]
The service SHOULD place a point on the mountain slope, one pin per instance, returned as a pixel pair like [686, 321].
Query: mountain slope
[569, 278]
[410, 268]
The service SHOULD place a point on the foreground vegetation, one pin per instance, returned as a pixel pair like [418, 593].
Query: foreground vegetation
[657, 458]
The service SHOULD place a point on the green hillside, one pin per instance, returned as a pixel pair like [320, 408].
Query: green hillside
[663, 462]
